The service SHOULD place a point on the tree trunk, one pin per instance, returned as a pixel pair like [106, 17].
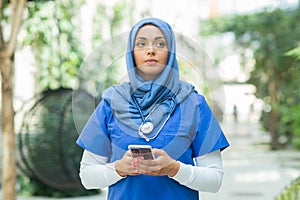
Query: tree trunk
[273, 121]
[273, 128]
[7, 51]
[8, 135]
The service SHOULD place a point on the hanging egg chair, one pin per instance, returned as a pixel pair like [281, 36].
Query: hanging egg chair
[46, 140]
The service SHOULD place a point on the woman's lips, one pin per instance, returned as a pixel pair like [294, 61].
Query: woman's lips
[151, 62]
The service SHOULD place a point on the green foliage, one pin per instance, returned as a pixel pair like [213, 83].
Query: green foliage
[53, 32]
[108, 21]
[4, 14]
[291, 113]
[294, 53]
[272, 37]
[292, 192]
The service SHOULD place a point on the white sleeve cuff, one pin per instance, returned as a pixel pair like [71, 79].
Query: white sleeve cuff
[184, 174]
[111, 174]
[206, 176]
[96, 173]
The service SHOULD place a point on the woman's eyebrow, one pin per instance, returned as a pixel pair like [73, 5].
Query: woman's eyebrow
[144, 38]
[141, 38]
[159, 38]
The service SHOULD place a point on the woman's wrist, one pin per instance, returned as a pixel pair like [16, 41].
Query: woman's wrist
[173, 169]
[119, 171]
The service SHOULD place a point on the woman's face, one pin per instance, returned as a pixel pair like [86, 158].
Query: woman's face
[150, 52]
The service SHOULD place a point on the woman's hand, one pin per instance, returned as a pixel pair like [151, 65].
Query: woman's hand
[127, 165]
[162, 165]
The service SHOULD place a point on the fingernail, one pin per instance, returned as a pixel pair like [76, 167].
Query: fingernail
[134, 164]
[141, 158]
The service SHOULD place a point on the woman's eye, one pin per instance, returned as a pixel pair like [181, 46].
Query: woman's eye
[140, 44]
[160, 44]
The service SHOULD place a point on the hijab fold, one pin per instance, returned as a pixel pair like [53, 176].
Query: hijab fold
[148, 93]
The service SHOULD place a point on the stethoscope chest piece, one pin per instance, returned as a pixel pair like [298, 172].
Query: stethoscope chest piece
[146, 127]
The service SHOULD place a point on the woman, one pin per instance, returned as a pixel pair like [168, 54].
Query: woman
[158, 109]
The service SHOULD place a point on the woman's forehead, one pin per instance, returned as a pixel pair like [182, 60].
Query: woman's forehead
[149, 31]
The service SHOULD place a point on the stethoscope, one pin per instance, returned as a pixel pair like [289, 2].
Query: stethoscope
[147, 126]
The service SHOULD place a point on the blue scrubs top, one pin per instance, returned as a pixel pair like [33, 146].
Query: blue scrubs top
[190, 132]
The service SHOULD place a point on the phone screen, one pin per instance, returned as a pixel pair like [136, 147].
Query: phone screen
[141, 151]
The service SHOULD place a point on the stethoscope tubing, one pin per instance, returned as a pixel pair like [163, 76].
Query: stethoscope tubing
[144, 120]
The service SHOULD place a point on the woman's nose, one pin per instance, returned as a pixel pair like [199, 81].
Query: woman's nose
[150, 50]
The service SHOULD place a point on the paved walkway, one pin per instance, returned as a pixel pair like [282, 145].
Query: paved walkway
[252, 171]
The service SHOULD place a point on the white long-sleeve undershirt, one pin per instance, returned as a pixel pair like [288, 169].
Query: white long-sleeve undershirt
[206, 175]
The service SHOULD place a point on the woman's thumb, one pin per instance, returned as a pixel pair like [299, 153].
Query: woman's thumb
[158, 152]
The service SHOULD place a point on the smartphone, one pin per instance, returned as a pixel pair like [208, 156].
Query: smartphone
[144, 151]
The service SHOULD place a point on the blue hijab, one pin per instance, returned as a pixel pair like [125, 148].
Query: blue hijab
[148, 94]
